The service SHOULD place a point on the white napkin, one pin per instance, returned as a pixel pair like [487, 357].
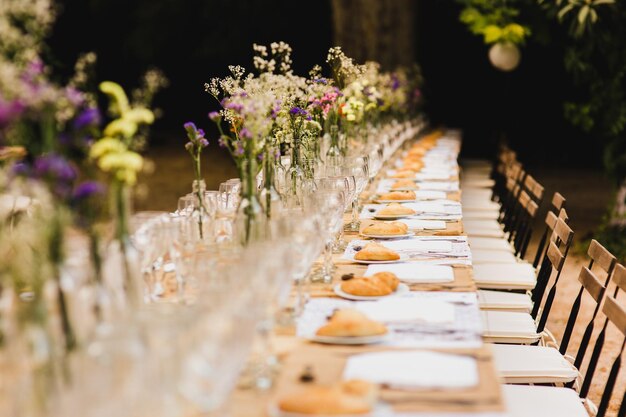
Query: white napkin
[415, 245]
[424, 224]
[414, 272]
[408, 310]
[414, 369]
[439, 186]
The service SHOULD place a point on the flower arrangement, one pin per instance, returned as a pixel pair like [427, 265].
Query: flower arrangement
[196, 143]
[115, 156]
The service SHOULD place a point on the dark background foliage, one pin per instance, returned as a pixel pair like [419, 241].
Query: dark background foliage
[193, 40]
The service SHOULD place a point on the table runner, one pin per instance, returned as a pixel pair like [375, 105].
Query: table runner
[328, 361]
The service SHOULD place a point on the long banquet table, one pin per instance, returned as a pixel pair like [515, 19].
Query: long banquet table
[461, 337]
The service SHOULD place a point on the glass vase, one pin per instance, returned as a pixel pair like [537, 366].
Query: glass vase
[334, 155]
[200, 214]
[295, 177]
[250, 213]
[270, 197]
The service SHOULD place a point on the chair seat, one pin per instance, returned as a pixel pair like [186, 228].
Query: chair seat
[519, 276]
[479, 205]
[481, 214]
[487, 256]
[520, 364]
[524, 401]
[509, 327]
[476, 183]
[476, 193]
[490, 243]
[483, 228]
[507, 301]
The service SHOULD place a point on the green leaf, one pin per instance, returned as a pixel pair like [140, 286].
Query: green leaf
[492, 34]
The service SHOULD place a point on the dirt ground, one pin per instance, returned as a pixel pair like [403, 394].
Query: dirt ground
[587, 193]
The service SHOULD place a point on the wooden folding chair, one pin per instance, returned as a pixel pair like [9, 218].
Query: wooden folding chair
[558, 204]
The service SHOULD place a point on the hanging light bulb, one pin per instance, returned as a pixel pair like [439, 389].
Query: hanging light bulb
[504, 56]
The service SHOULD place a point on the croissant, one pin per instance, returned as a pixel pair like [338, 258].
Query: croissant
[376, 252]
[398, 195]
[366, 287]
[404, 183]
[386, 228]
[351, 323]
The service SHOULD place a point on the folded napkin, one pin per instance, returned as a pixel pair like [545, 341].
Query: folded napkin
[414, 369]
[415, 272]
[415, 224]
[408, 310]
[417, 245]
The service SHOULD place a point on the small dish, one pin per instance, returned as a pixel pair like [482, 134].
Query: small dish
[413, 200]
[400, 290]
[349, 340]
[403, 257]
[404, 236]
[393, 216]
[380, 409]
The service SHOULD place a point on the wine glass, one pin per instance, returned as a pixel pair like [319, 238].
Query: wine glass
[358, 169]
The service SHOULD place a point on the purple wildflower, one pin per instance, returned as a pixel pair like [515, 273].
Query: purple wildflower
[54, 167]
[203, 142]
[190, 127]
[321, 81]
[239, 149]
[245, 133]
[88, 117]
[222, 141]
[9, 111]
[196, 138]
[395, 84]
[215, 116]
[88, 189]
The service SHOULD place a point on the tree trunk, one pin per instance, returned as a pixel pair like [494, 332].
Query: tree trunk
[618, 216]
[379, 30]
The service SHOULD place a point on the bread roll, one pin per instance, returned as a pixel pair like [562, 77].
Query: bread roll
[351, 323]
[386, 229]
[399, 195]
[404, 183]
[396, 209]
[376, 252]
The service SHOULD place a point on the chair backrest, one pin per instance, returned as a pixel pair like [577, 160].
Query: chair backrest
[550, 223]
[600, 256]
[556, 253]
[558, 202]
[591, 285]
[523, 227]
[619, 278]
[534, 188]
[616, 315]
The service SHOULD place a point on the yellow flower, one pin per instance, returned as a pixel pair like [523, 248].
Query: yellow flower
[124, 165]
[121, 127]
[117, 95]
[139, 115]
[104, 146]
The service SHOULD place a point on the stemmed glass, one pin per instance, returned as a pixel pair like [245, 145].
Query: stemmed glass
[329, 206]
[346, 184]
[357, 168]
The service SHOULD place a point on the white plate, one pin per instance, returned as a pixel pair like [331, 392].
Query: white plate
[403, 257]
[400, 290]
[393, 216]
[346, 340]
[395, 201]
[409, 234]
[379, 410]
